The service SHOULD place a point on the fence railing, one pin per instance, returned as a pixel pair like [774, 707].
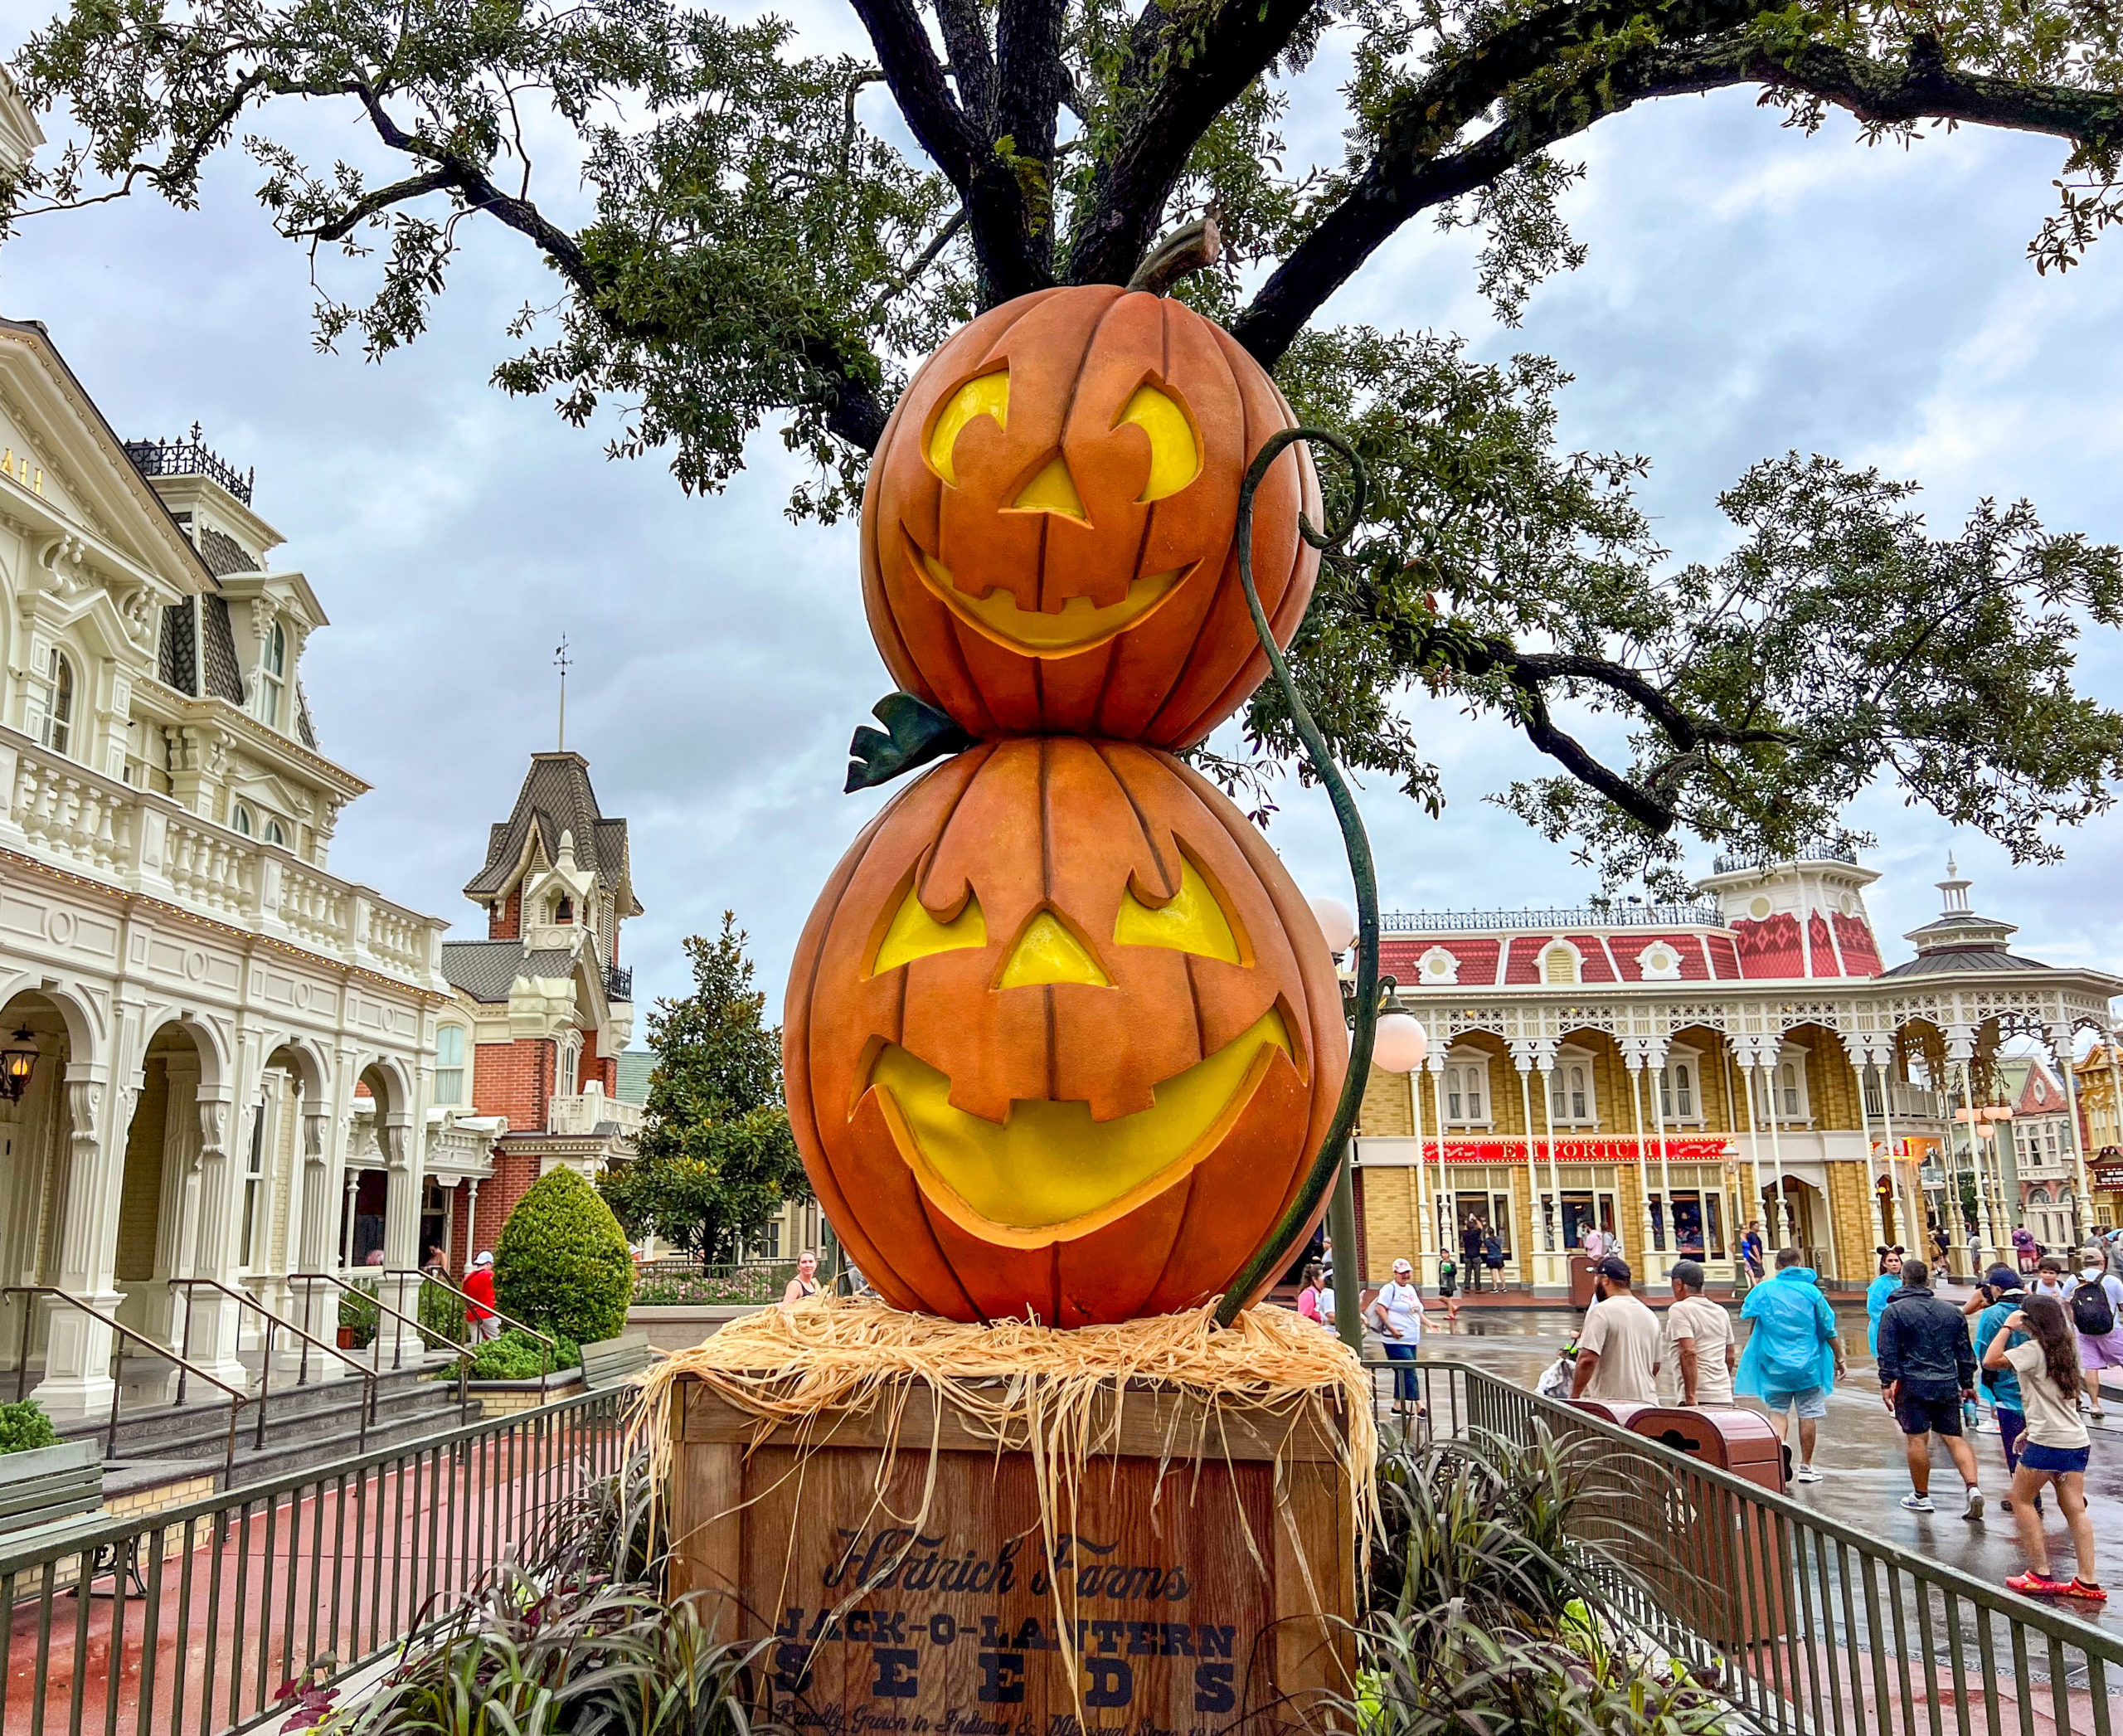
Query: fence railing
[235, 1594]
[1809, 1625]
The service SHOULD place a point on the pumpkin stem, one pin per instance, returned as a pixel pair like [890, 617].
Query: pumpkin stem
[920, 733]
[1334, 1148]
[1194, 248]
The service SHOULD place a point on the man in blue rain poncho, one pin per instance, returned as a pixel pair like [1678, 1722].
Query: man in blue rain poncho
[1792, 1356]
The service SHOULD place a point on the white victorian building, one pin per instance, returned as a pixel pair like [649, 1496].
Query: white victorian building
[208, 1036]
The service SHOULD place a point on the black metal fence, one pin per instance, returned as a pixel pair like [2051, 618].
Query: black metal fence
[1810, 1625]
[195, 1616]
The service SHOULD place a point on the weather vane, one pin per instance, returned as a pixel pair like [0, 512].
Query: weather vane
[560, 663]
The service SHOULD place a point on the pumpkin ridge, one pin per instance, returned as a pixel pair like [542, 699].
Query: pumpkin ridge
[1181, 664]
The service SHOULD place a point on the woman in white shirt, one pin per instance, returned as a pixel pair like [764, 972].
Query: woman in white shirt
[1396, 1314]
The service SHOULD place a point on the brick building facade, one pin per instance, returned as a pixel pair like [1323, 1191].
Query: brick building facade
[527, 1075]
[1670, 1074]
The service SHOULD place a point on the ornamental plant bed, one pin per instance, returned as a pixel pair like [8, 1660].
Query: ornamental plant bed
[1167, 1561]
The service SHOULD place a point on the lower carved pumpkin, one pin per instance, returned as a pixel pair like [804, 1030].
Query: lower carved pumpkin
[1061, 1038]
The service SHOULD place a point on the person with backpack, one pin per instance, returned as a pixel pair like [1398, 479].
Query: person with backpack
[2096, 1305]
[2056, 1447]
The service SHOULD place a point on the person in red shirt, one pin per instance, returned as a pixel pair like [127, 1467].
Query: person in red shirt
[480, 1312]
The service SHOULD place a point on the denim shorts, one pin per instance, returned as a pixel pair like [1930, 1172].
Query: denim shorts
[1812, 1402]
[2058, 1460]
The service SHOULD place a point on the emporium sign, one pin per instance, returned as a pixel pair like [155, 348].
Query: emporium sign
[1624, 1150]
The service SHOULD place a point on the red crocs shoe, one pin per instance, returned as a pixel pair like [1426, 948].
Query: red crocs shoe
[2089, 1593]
[2032, 1584]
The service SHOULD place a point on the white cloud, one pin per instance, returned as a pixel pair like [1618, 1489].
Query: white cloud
[1749, 289]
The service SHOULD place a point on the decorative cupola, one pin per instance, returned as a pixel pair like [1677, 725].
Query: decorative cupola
[1957, 928]
[1798, 915]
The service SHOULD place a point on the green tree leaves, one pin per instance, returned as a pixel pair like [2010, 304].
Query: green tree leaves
[717, 1157]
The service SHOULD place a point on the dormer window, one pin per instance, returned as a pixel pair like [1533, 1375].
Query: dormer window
[273, 678]
[58, 712]
[239, 818]
[564, 910]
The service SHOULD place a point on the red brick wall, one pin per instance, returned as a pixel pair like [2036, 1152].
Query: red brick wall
[603, 1068]
[515, 1079]
[514, 1173]
[507, 922]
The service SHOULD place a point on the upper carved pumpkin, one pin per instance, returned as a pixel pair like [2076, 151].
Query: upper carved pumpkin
[1048, 526]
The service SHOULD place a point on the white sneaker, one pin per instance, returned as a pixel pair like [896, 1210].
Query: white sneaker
[1918, 1503]
[1805, 1474]
[1974, 1509]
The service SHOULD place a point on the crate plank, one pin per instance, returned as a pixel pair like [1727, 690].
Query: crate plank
[950, 1627]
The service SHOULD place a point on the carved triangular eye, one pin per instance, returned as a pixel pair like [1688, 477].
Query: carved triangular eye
[914, 934]
[1175, 454]
[986, 395]
[1189, 920]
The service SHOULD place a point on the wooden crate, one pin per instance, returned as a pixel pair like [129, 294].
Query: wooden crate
[950, 1629]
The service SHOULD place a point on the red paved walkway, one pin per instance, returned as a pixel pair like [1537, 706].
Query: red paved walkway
[331, 1572]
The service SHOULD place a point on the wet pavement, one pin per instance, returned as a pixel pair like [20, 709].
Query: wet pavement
[1861, 1453]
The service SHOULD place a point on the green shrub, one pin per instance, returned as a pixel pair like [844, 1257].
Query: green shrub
[562, 1263]
[24, 1425]
[358, 1310]
[518, 1356]
[441, 1315]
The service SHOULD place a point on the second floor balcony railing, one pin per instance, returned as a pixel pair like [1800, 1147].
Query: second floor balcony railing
[138, 841]
[583, 1114]
[1551, 921]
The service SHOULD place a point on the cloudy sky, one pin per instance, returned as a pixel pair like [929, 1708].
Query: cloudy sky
[1749, 290]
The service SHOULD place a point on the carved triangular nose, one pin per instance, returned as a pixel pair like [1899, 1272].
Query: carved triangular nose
[1052, 490]
[1047, 952]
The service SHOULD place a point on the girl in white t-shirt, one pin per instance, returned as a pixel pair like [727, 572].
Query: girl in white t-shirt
[2055, 1447]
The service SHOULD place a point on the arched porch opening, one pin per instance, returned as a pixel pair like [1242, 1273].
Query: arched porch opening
[159, 1204]
[36, 1139]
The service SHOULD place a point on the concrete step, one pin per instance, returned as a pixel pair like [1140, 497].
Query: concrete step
[286, 1455]
[198, 1429]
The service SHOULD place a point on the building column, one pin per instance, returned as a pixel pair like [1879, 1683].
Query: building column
[77, 1346]
[2081, 1195]
[1777, 1149]
[1531, 1267]
[1434, 1066]
[218, 1319]
[402, 1234]
[1425, 1228]
[1659, 1262]
[1865, 1141]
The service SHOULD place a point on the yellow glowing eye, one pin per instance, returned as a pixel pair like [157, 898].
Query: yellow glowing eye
[1190, 921]
[1047, 952]
[989, 395]
[914, 934]
[1175, 460]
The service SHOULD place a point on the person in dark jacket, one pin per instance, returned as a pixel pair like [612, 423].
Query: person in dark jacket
[1927, 1371]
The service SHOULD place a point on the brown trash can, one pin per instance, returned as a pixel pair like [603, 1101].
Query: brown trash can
[1730, 1565]
[1581, 1281]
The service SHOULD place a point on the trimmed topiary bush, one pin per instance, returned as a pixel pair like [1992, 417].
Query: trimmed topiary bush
[518, 1356]
[562, 1264]
[23, 1425]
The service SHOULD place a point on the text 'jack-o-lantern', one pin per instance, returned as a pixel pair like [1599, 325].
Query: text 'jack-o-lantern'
[1047, 527]
[1061, 1038]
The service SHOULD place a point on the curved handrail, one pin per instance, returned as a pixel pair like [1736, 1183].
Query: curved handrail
[244, 1298]
[552, 1346]
[237, 1396]
[352, 1286]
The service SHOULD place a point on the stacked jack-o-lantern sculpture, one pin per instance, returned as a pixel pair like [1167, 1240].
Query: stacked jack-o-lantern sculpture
[1063, 1037]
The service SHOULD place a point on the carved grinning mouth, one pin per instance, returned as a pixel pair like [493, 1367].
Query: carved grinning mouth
[1048, 1173]
[1079, 624]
